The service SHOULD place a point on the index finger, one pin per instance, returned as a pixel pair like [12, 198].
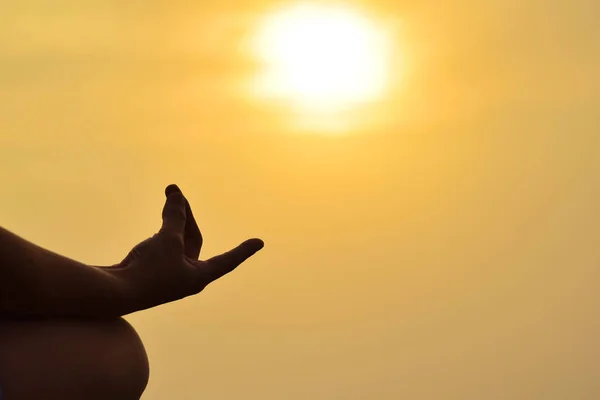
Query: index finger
[218, 266]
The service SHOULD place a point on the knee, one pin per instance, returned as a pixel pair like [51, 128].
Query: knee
[125, 360]
[83, 359]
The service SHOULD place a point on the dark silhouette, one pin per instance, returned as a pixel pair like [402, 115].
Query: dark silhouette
[61, 335]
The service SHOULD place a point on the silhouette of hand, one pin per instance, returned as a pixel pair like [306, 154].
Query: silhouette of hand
[165, 267]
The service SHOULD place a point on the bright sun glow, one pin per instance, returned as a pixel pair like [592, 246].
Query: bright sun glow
[322, 58]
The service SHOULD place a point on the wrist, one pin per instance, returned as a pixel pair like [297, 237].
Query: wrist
[123, 297]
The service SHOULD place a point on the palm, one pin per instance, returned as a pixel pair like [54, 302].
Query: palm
[166, 268]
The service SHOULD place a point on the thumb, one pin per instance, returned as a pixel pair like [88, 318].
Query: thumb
[173, 214]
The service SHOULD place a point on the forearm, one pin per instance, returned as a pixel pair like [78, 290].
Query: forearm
[35, 282]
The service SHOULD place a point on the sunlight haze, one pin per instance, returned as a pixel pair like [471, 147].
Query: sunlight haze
[322, 57]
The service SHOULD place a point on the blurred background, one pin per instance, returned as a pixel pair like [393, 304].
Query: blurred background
[442, 243]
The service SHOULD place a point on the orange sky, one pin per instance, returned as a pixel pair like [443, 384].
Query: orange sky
[448, 249]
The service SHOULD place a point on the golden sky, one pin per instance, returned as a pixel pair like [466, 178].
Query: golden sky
[447, 248]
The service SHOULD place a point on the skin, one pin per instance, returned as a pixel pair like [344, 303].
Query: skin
[72, 347]
[71, 359]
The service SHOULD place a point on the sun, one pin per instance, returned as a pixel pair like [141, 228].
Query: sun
[321, 57]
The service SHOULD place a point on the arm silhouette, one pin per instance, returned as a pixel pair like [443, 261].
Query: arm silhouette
[35, 282]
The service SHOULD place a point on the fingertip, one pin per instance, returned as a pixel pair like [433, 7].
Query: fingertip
[172, 188]
[255, 244]
[175, 196]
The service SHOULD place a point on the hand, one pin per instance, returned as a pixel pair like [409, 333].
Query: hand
[165, 267]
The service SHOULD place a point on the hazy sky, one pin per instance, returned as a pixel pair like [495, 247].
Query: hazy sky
[449, 249]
